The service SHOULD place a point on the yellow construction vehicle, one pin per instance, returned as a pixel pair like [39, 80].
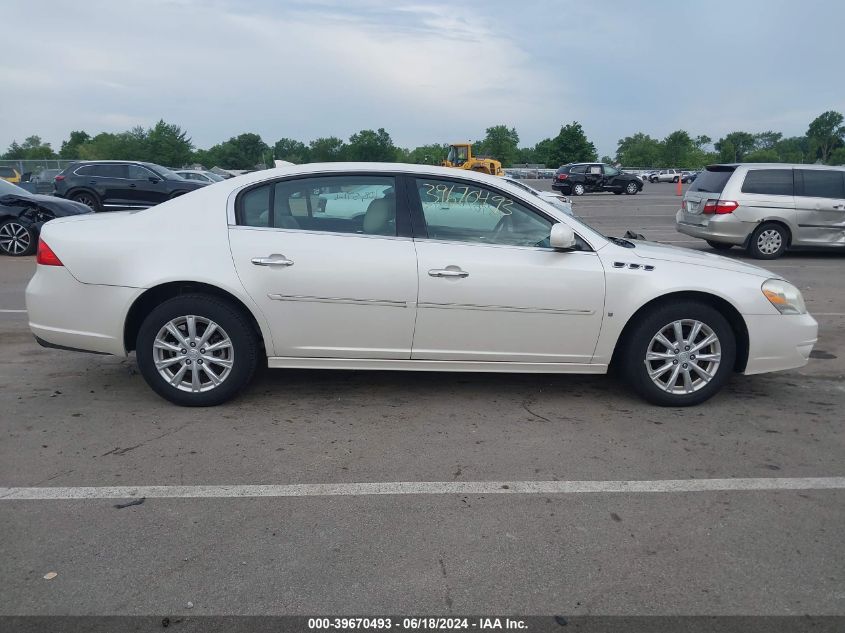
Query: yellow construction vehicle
[460, 156]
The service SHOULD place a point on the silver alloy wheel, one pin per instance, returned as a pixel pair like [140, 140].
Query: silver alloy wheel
[769, 241]
[632, 187]
[14, 238]
[686, 352]
[85, 199]
[578, 189]
[193, 353]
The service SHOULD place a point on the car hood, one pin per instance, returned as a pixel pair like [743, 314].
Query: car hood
[59, 207]
[664, 252]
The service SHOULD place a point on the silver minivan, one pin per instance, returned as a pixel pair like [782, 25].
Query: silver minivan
[766, 207]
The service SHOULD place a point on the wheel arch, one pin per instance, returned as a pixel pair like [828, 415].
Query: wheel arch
[725, 308]
[790, 233]
[154, 296]
[79, 189]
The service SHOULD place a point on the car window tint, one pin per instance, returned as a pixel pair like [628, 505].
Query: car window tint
[109, 171]
[578, 169]
[777, 182]
[363, 205]
[7, 172]
[136, 172]
[466, 212]
[712, 180]
[823, 183]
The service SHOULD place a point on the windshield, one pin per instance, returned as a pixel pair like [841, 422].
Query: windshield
[7, 188]
[213, 176]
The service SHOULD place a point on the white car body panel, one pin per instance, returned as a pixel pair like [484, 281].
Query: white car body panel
[367, 302]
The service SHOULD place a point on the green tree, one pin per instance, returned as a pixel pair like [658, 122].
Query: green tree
[794, 149]
[639, 150]
[500, 142]
[15, 152]
[33, 148]
[327, 149]
[371, 146]
[837, 156]
[679, 150]
[70, 147]
[245, 151]
[570, 146]
[734, 146]
[762, 156]
[767, 140]
[168, 144]
[432, 154]
[291, 150]
[826, 133]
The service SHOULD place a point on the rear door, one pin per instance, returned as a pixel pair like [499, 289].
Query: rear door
[340, 282]
[767, 194]
[594, 177]
[110, 183]
[820, 206]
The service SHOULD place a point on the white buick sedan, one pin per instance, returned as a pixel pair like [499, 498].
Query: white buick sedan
[406, 267]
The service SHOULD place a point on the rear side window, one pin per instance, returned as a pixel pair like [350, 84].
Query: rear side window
[578, 169]
[823, 183]
[712, 179]
[7, 172]
[775, 182]
[108, 171]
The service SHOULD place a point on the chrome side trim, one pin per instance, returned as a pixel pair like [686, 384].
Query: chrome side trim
[379, 364]
[495, 308]
[387, 303]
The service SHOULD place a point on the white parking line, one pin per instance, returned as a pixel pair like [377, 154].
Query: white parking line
[421, 488]
[12, 311]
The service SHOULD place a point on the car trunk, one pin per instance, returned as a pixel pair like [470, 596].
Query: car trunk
[707, 186]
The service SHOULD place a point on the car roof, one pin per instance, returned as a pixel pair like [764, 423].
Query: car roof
[777, 165]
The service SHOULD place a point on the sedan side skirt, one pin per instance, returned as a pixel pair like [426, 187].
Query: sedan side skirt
[378, 364]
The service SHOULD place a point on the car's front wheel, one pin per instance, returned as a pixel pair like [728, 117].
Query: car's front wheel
[197, 350]
[679, 354]
[578, 189]
[16, 239]
[631, 188]
[768, 241]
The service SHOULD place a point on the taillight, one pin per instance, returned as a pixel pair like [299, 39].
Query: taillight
[46, 256]
[684, 205]
[719, 207]
[562, 176]
[59, 178]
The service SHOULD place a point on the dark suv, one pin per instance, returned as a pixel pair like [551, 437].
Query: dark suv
[106, 185]
[579, 178]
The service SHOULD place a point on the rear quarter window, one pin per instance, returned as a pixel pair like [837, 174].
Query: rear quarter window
[774, 182]
[712, 180]
[6, 172]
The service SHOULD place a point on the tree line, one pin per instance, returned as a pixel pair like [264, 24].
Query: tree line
[168, 144]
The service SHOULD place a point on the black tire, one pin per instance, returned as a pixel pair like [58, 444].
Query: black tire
[632, 188]
[636, 369]
[719, 246]
[675, 179]
[768, 241]
[16, 238]
[89, 199]
[245, 350]
[617, 193]
[578, 189]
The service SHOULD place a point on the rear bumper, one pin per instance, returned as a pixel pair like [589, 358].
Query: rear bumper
[718, 228]
[779, 341]
[67, 314]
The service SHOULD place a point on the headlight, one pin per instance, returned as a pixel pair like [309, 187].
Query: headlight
[784, 296]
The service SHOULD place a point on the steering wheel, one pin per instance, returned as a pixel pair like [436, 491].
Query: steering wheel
[500, 225]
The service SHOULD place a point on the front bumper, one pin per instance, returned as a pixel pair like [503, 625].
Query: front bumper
[779, 341]
[717, 228]
[68, 314]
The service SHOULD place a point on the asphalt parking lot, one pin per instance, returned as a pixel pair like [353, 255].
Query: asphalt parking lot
[74, 420]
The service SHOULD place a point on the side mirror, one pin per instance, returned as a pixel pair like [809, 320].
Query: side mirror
[562, 237]
[153, 179]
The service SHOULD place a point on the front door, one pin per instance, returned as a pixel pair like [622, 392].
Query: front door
[491, 288]
[330, 263]
[145, 188]
[820, 206]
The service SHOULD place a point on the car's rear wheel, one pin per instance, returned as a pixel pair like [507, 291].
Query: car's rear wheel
[631, 188]
[16, 239]
[197, 350]
[719, 246]
[768, 241]
[578, 189]
[675, 179]
[679, 354]
[88, 199]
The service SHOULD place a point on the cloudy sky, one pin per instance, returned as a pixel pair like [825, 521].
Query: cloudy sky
[426, 71]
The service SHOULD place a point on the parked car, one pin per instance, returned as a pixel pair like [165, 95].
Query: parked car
[10, 174]
[555, 199]
[22, 214]
[105, 185]
[580, 178]
[207, 177]
[689, 176]
[766, 208]
[665, 175]
[445, 270]
[44, 180]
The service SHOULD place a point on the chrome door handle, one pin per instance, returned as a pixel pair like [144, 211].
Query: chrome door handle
[839, 206]
[447, 272]
[272, 260]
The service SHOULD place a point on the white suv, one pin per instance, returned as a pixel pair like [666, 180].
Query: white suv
[766, 208]
[666, 175]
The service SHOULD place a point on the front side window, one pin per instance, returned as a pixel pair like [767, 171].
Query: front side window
[136, 172]
[775, 182]
[610, 171]
[823, 183]
[466, 212]
[339, 204]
